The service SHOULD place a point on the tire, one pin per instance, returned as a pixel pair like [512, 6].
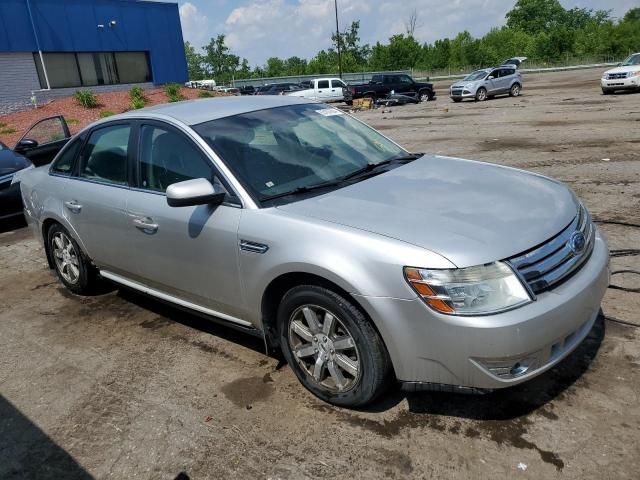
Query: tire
[457, 100]
[481, 94]
[514, 91]
[351, 372]
[425, 96]
[606, 91]
[71, 265]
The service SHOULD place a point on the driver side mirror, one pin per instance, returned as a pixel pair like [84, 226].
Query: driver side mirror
[490, 77]
[619, 64]
[198, 191]
[25, 144]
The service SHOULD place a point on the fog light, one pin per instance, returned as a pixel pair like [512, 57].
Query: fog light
[519, 368]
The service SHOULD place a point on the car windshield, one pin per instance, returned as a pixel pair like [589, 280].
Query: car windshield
[477, 75]
[290, 148]
[632, 60]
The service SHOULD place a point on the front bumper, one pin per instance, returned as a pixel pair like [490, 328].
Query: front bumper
[629, 83]
[461, 92]
[473, 352]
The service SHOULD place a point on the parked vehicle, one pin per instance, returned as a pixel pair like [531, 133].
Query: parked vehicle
[323, 89]
[247, 90]
[626, 76]
[514, 62]
[278, 88]
[381, 85]
[38, 146]
[229, 90]
[291, 220]
[487, 83]
[207, 84]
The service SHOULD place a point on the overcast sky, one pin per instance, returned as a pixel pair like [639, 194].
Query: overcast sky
[259, 29]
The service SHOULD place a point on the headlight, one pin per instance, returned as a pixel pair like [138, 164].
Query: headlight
[634, 74]
[479, 290]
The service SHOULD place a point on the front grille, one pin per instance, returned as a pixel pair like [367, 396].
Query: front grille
[615, 76]
[551, 263]
[456, 91]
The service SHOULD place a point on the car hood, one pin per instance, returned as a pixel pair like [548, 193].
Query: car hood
[469, 212]
[468, 83]
[11, 162]
[628, 68]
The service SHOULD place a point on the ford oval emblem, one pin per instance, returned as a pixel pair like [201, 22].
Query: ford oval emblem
[577, 242]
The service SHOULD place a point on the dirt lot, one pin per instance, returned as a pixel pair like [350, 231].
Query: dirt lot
[120, 386]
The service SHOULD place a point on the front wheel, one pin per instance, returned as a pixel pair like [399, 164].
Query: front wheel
[332, 347]
[425, 96]
[515, 90]
[481, 94]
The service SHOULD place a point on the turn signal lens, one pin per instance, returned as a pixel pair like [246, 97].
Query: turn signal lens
[478, 290]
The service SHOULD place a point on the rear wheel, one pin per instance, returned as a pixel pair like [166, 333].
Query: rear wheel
[71, 266]
[332, 347]
[481, 94]
[515, 90]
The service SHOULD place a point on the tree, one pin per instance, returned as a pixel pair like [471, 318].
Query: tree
[411, 24]
[194, 62]
[533, 16]
[222, 64]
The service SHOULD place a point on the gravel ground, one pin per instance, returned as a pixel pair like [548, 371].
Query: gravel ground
[121, 386]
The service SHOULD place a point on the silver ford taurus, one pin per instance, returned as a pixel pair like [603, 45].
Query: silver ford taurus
[364, 263]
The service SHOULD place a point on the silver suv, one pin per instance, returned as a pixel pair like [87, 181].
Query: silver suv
[296, 222]
[488, 83]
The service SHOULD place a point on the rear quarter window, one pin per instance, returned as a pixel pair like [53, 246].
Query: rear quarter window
[65, 161]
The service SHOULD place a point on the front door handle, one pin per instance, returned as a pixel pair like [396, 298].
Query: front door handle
[146, 225]
[73, 206]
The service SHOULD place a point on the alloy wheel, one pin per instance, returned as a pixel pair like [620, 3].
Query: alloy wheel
[515, 90]
[65, 257]
[482, 94]
[324, 348]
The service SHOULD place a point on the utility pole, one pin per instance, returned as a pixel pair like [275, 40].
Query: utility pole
[335, 2]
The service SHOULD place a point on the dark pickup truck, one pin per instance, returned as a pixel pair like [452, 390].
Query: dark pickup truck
[381, 85]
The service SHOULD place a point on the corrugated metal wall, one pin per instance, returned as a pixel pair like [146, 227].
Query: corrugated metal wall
[72, 26]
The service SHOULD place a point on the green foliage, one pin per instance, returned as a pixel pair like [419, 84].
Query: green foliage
[172, 90]
[86, 98]
[542, 30]
[137, 97]
[7, 130]
[72, 121]
[105, 114]
[204, 94]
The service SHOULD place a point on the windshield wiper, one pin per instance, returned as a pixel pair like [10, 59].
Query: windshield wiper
[370, 167]
[339, 181]
[303, 189]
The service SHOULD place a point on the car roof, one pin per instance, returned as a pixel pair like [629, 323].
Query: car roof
[192, 112]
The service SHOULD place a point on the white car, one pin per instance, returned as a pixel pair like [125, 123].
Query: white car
[324, 89]
[626, 76]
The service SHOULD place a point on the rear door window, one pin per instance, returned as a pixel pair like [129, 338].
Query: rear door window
[323, 84]
[104, 157]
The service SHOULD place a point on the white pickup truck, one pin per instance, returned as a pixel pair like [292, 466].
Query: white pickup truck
[324, 89]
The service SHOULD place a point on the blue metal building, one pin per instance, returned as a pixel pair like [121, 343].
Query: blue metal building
[54, 47]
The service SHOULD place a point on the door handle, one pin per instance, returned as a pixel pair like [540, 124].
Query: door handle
[73, 206]
[146, 225]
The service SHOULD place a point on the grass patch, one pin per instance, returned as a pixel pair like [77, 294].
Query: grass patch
[137, 97]
[105, 114]
[2, 125]
[204, 94]
[172, 90]
[86, 98]
[72, 121]
[7, 130]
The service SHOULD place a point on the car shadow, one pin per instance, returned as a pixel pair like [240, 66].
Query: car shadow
[28, 452]
[188, 318]
[508, 403]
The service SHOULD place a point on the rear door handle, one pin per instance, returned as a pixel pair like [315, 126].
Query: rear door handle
[146, 225]
[73, 206]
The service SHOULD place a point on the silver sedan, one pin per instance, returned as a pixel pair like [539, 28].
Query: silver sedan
[364, 263]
